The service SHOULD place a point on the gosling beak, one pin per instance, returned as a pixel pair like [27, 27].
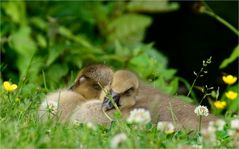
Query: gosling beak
[107, 104]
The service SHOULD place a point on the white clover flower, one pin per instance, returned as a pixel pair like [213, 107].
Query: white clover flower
[234, 132]
[231, 132]
[50, 105]
[217, 125]
[197, 146]
[117, 140]
[209, 135]
[166, 127]
[140, 116]
[201, 111]
[91, 125]
[235, 124]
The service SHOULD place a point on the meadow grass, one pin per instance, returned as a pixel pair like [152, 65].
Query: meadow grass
[22, 128]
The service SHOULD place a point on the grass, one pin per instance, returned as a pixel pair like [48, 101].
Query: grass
[21, 128]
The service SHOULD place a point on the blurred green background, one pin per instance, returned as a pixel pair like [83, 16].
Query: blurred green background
[164, 42]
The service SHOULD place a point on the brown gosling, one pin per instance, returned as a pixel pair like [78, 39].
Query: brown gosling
[123, 90]
[88, 85]
[128, 95]
[91, 80]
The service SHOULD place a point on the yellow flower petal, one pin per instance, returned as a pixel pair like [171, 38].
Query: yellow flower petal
[231, 95]
[220, 104]
[14, 86]
[8, 86]
[229, 79]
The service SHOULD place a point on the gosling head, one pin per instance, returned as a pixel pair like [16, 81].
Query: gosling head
[122, 91]
[91, 79]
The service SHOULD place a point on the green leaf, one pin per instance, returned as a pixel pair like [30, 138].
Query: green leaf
[234, 55]
[41, 41]
[128, 28]
[16, 10]
[174, 86]
[54, 53]
[170, 88]
[55, 73]
[23, 44]
[152, 6]
[39, 23]
[79, 39]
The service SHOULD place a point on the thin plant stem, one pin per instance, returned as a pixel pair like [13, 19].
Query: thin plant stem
[113, 102]
[194, 81]
[200, 123]
[210, 12]
[107, 115]
[204, 96]
[44, 79]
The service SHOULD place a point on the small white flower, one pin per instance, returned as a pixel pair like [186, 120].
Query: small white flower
[201, 111]
[209, 135]
[117, 140]
[91, 125]
[235, 124]
[217, 125]
[50, 106]
[140, 116]
[231, 132]
[166, 127]
[197, 146]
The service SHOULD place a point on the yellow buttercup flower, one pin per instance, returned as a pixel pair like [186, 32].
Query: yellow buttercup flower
[229, 79]
[8, 86]
[231, 95]
[220, 104]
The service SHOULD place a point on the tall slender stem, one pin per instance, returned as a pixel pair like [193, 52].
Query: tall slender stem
[194, 81]
[200, 122]
[210, 12]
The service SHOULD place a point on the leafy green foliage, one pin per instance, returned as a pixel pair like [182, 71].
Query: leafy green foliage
[46, 43]
[57, 41]
[234, 56]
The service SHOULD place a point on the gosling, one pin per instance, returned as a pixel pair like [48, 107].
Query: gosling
[88, 85]
[128, 94]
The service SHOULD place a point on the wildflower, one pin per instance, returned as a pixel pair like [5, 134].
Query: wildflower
[201, 111]
[234, 132]
[229, 79]
[91, 126]
[51, 106]
[117, 140]
[220, 104]
[197, 146]
[235, 124]
[208, 135]
[166, 127]
[140, 116]
[231, 95]
[8, 86]
[217, 125]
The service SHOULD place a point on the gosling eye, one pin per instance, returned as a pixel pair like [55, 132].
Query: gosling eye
[129, 91]
[96, 87]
